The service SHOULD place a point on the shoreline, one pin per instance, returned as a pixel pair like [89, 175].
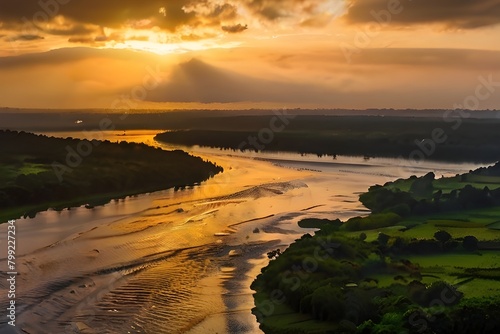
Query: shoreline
[89, 203]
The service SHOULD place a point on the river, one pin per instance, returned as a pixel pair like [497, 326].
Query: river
[182, 261]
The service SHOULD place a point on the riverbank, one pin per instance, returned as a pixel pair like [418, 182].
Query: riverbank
[39, 172]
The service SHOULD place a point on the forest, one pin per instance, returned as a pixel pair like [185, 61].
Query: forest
[39, 172]
[426, 260]
[414, 138]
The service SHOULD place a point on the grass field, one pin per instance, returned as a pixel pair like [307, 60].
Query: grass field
[483, 223]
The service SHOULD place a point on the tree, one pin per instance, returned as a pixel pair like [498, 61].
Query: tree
[470, 243]
[423, 186]
[441, 290]
[274, 254]
[328, 303]
[442, 236]
[383, 238]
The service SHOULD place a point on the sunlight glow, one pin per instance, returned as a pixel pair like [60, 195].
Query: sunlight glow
[159, 42]
[163, 48]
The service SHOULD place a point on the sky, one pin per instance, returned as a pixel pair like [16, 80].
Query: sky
[228, 54]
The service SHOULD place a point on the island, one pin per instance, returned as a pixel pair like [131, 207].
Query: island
[39, 172]
[426, 260]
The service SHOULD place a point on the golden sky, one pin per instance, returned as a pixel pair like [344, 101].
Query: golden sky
[250, 54]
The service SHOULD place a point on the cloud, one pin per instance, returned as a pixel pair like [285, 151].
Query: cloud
[397, 78]
[167, 15]
[235, 28]
[309, 12]
[197, 81]
[27, 37]
[272, 10]
[74, 78]
[317, 21]
[68, 56]
[110, 13]
[195, 37]
[82, 39]
[213, 12]
[81, 18]
[464, 14]
[460, 59]
[70, 29]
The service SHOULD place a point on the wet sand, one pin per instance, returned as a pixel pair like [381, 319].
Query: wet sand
[180, 261]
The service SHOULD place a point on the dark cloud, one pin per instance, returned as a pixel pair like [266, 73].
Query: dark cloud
[101, 37]
[92, 40]
[24, 38]
[82, 39]
[305, 10]
[75, 19]
[70, 30]
[167, 15]
[452, 13]
[109, 13]
[270, 10]
[235, 28]
[223, 12]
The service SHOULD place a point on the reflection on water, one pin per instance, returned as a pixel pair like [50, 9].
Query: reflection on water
[161, 262]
